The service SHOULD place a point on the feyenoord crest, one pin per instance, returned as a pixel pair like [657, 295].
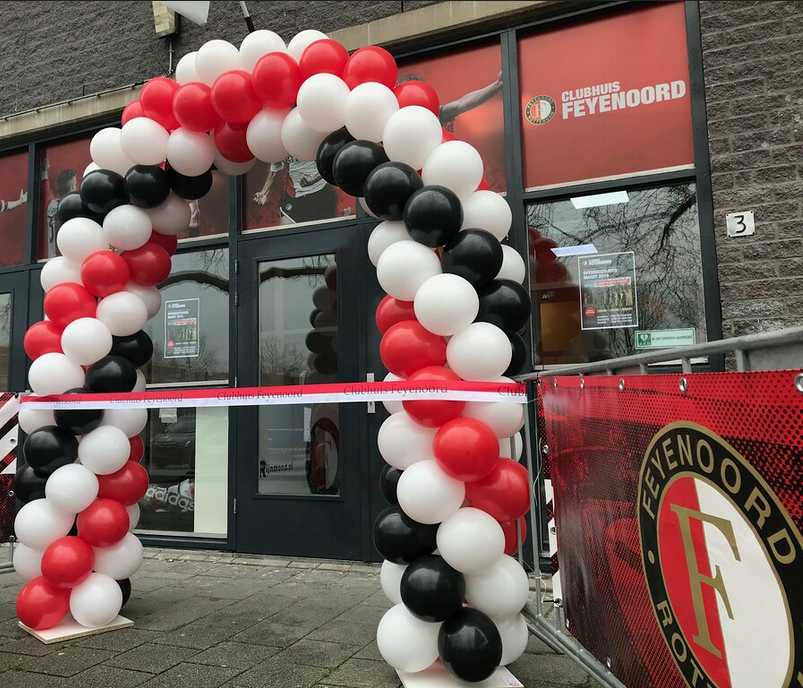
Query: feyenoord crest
[723, 562]
[540, 110]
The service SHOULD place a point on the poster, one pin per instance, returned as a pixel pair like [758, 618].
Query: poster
[608, 291]
[181, 328]
[13, 208]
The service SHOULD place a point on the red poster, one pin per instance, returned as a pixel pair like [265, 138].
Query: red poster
[606, 97]
[13, 208]
[678, 517]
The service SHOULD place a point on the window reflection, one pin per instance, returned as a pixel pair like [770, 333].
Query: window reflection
[5, 339]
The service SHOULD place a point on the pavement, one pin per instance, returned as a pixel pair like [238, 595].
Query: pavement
[206, 619]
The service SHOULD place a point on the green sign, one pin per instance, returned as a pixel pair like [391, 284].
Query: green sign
[664, 339]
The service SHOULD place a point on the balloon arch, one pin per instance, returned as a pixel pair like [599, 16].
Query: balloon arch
[454, 306]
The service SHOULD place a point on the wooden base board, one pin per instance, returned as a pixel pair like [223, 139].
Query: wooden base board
[437, 677]
[70, 629]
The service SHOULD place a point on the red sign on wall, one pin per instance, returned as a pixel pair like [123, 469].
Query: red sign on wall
[607, 97]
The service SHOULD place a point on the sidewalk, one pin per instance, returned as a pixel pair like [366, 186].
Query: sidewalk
[204, 620]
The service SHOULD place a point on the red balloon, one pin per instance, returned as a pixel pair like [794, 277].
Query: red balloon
[137, 449]
[391, 311]
[156, 99]
[504, 493]
[483, 186]
[234, 98]
[105, 273]
[466, 449]
[42, 338]
[230, 142]
[67, 302]
[105, 521]
[432, 413]
[192, 107]
[371, 63]
[418, 93]
[132, 110]
[542, 249]
[41, 605]
[68, 562]
[511, 535]
[127, 486]
[276, 80]
[169, 242]
[447, 135]
[149, 264]
[407, 347]
[323, 57]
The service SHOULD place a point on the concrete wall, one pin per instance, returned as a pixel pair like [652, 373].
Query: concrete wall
[753, 62]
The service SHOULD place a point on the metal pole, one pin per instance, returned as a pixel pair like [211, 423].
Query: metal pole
[248, 21]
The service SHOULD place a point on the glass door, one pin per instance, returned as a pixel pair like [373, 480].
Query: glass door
[13, 321]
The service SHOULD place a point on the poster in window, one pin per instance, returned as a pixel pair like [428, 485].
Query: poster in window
[13, 208]
[608, 291]
[181, 328]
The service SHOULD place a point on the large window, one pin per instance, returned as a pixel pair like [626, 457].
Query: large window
[13, 203]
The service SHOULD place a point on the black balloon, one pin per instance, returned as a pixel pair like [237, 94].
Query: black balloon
[431, 589]
[147, 186]
[315, 312]
[519, 357]
[327, 151]
[475, 255]
[136, 348]
[74, 530]
[125, 588]
[317, 343]
[470, 645]
[400, 539]
[354, 162]
[111, 374]
[389, 187]
[71, 206]
[190, 188]
[504, 303]
[78, 421]
[49, 448]
[28, 484]
[388, 482]
[102, 191]
[325, 362]
[433, 215]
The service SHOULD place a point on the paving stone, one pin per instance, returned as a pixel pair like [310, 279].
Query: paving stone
[273, 634]
[283, 673]
[378, 599]
[533, 669]
[195, 675]
[118, 641]
[320, 576]
[174, 616]
[370, 651]
[362, 568]
[9, 628]
[103, 676]
[262, 606]
[365, 673]
[24, 679]
[27, 645]
[152, 658]
[363, 613]
[335, 567]
[228, 588]
[318, 653]
[67, 660]
[236, 655]
[194, 557]
[536, 646]
[348, 632]
[143, 584]
[10, 660]
[303, 565]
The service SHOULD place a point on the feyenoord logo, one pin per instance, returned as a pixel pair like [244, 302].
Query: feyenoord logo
[540, 110]
[723, 562]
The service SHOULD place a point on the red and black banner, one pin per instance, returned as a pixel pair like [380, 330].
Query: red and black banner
[9, 436]
[679, 509]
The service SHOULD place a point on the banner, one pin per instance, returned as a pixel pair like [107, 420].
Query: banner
[678, 508]
[9, 437]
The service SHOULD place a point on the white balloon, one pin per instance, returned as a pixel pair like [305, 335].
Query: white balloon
[323, 298]
[185, 69]
[127, 227]
[172, 216]
[514, 452]
[446, 304]
[479, 352]
[149, 295]
[470, 540]
[233, 169]
[500, 590]
[96, 601]
[107, 151]
[514, 633]
[367, 110]
[512, 265]
[141, 384]
[390, 576]
[40, 523]
[144, 141]
[456, 165]
[489, 211]
[298, 139]
[427, 495]
[124, 313]
[214, 58]
[405, 642]
[190, 153]
[72, 488]
[79, 238]
[402, 442]
[411, 134]
[121, 560]
[256, 45]
[385, 234]
[303, 40]
[54, 374]
[404, 266]
[393, 406]
[28, 562]
[321, 100]
[58, 270]
[264, 135]
[133, 516]
[91, 167]
[86, 340]
[31, 419]
[131, 421]
[104, 450]
[503, 417]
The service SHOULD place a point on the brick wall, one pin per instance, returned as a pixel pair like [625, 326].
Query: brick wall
[753, 62]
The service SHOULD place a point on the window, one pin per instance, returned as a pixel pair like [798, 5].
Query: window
[13, 199]
[210, 214]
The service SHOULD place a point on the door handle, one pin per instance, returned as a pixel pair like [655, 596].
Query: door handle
[371, 405]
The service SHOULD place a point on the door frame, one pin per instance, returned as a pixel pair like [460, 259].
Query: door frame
[18, 284]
